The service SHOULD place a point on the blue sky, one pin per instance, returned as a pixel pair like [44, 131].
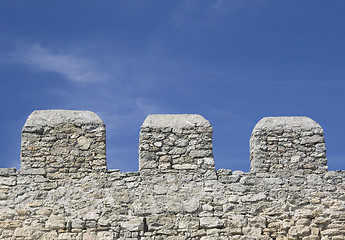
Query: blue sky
[234, 62]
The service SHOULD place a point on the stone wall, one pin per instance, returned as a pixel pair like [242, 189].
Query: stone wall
[64, 190]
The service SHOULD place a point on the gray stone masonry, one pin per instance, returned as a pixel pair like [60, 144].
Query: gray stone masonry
[181, 142]
[64, 191]
[62, 141]
[287, 143]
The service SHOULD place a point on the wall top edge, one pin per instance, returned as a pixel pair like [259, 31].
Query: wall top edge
[175, 121]
[41, 118]
[295, 122]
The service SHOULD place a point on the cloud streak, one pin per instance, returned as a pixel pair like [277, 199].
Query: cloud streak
[69, 66]
[191, 13]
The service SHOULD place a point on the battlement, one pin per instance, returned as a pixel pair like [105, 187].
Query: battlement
[287, 143]
[65, 191]
[181, 142]
[63, 141]
[74, 141]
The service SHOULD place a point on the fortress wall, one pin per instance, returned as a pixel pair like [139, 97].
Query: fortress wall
[177, 193]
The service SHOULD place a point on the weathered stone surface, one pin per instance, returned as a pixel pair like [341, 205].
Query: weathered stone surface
[64, 191]
[134, 225]
[63, 141]
[5, 172]
[282, 144]
[175, 121]
[56, 223]
[43, 118]
[211, 222]
[175, 141]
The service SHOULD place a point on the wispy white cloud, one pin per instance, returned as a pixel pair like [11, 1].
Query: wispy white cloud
[190, 14]
[71, 67]
[122, 101]
[194, 13]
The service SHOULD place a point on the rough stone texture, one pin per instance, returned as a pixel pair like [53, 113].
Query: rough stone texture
[181, 142]
[62, 141]
[287, 143]
[165, 202]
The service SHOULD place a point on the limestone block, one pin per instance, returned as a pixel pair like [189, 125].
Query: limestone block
[78, 223]
[8, 181]
[210, 238]
[23, 212]
[253, 197]
[27, 231]
[7, 213]
[89, 236]
[257, 221]
[211, 222]
[252, 231]
[237, 221]
[134, 225]
[3, 193]
[5, 172]
[67, 236]
[311, 237]
[105, 236]
[10, 224]
[299, 231]
[160, 222]
[56, 222]
[189, 223]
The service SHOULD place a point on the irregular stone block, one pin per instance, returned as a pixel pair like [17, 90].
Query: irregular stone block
[6, 213]
[189, 223]
[299, 231]
[133, 225]
[105, 236]
[5, 172]
[8, 181]
[160, 222]
[89, 236]
[210, 222]
[25, 232]
[56, 222]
